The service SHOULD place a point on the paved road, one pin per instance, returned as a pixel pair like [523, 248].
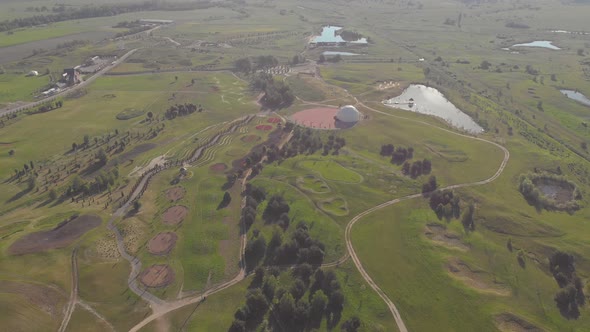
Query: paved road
[392, 308]
[72, 89]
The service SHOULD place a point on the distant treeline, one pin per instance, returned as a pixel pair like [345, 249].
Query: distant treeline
[102, 11]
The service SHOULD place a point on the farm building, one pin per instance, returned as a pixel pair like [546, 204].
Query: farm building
[71, 76]
[348, 114]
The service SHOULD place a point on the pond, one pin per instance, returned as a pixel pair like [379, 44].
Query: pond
[556, 191]
[329, 35]
[426, 100]
[577, 96]
[339, 53]
[539, 43]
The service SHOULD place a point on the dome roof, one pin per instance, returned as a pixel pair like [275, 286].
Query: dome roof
[348, 113]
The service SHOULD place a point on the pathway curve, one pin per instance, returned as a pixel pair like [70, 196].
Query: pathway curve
[392, 308]
[73, 295]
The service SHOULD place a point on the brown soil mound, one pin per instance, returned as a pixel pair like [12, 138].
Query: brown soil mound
[507, 322]
[157, 276]
[476, 279]
[438, 234]
[250, 138]
[274, 120]
[162, 243]
[175, 215]
[61, 236]
[175, 194]
[219, 167]
[264, 127]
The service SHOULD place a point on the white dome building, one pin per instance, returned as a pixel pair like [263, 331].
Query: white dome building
[348, 114]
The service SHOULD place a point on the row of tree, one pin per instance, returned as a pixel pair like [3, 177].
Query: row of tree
[61, 14]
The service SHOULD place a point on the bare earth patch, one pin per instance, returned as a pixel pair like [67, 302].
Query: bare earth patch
[250, 138]
[507, 322]
[219, 167]
[174, 215]
[175, 194]
[61, 236]
[274, 120]
[162, 243]
[439, 235]
[45, 298]
[476, 279]
[157, 276]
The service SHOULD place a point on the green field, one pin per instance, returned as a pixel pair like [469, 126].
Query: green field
[490, 273]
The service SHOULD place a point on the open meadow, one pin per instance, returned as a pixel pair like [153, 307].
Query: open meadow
[173, 186]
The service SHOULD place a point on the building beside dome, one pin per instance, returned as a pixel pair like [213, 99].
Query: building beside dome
[348, 114]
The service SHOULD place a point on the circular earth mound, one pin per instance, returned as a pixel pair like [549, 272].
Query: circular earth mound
[175, 215]
[162, 243]
[264, 127]
[250, 138]
[320, 118]
[219, 167]
[175, 194]
[157, 276]
[274, 120]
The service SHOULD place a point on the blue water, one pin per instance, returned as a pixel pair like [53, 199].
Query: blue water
[430, 101]
[577, 96]
[539, 43]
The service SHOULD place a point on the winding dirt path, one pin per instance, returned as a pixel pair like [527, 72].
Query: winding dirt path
[357, 262]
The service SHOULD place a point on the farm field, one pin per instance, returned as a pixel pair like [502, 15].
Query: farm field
[175, 189]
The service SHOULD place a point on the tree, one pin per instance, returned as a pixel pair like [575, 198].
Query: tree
[269, 286]
[243, 65]
[102, 156]
[485, 65]
[256, 303]
[237, 326]
[351, 325]
[286, 308]
[298, 289]
[136, 206]
[86, 140]
[225, 201]
[74, 146]
[150, 115]
[336, 303]
[322, 59]
[31, 182]
[467, 218]
[318, 306]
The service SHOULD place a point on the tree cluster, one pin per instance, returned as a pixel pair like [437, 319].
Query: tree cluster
[445, 204]
[46, 107]
[298, 249]
[181, 110]
[417, 168]
[430, 186]
[398, 155]
[313, 295]
[277, 212]
[98, 185]
[571, 294]
[277, 94]
[528, 188]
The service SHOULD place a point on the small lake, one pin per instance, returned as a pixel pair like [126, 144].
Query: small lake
[339, 53]
[539, 43]
[329, 35]
[577, 96]
[430, 101]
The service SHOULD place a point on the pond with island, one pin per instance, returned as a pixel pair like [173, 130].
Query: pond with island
[330, 34]
[426, 100]
[577, 96]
